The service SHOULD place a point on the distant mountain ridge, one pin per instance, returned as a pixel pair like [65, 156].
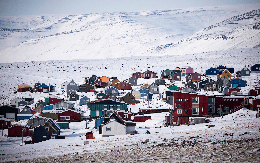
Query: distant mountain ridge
[123, 34]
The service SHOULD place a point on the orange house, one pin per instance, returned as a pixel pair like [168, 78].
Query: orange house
[104, 79]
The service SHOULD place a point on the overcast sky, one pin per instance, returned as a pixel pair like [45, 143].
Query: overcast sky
[40, 7]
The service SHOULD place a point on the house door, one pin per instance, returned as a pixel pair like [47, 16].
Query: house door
[10, 116]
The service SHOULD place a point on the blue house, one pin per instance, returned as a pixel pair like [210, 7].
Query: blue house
[238, 83]
[48, 107]
[212, 71]
[231, 70]
[144, 92]
[255, 68]
[112, 92]
[84, 100]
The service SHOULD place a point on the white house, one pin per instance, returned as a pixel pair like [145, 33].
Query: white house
[113, 128]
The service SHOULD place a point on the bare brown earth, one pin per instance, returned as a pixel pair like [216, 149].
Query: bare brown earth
[243, 150]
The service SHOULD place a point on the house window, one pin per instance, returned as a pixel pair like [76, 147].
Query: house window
[47, 129]
[214, 71]
[125, 115]
[64, 117]
[108, 128]
[179, 111]
[105, 107]
[195, 100]
[172, 117]
[195, 111]
[178, 77]
[118, 107]
[247, 72]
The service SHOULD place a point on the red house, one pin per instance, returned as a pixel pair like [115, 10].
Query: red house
[254, 92]
[24, 88]
[125, 115]
[54, 100]
[141, 118]
[226, 104]
[45, 88]
[196, 105]
[193, 77]
[16, 131]
[69, 116]
[137, 75]
[148, 74]
[123, 86]
[178, 116]
[5, 123]
[255, 104]
[100, 84]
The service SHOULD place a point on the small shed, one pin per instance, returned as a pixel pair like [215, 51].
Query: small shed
[141, 118]
[63, 125]
[89, 135]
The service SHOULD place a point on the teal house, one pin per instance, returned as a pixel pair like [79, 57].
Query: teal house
[100, 108]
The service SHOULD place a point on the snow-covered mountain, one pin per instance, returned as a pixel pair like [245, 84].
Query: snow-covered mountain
[123, 34]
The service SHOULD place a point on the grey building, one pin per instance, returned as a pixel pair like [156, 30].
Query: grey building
[72, 87]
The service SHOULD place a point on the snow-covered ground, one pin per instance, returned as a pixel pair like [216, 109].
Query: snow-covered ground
[237, 126]
[53, 49]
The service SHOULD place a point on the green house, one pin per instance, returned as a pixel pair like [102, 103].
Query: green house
[101, 95]
[174, 88]
[99, 108]
[167, 73]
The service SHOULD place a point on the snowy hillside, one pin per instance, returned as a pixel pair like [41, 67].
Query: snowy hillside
[113, 35]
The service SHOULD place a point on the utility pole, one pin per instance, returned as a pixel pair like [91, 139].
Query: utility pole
[22, 136]
[23, 130]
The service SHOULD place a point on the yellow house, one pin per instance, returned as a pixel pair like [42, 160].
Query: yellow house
[226, 74]
[115, 81]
